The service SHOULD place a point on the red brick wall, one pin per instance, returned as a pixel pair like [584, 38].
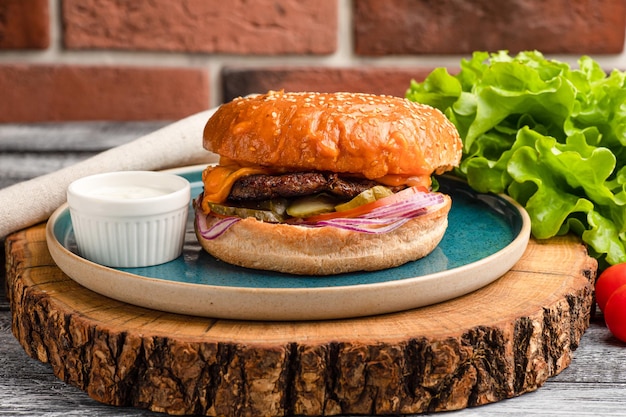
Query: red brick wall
[136, 60]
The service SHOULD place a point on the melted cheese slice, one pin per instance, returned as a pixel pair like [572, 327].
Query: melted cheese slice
[219, 180]
[393, 180]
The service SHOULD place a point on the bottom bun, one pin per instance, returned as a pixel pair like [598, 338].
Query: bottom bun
[325, 250]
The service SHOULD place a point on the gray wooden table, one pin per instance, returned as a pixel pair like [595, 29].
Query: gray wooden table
[593, 385]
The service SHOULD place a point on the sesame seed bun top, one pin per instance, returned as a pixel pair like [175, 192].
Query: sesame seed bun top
[361, 134]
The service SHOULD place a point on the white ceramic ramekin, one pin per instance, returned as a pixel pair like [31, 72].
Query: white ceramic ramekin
[130, 218]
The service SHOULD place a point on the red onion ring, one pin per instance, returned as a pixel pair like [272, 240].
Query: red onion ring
[380, 220]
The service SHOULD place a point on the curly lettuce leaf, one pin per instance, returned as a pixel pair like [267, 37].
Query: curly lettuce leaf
[551, 136]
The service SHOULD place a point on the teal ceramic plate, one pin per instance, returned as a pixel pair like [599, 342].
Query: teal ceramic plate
[486, 236]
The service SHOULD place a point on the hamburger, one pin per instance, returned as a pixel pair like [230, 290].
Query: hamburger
[320, 184]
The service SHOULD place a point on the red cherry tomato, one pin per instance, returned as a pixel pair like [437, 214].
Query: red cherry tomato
[615, 313]
[609, 280]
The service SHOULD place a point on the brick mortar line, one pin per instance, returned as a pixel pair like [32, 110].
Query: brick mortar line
[56, 35]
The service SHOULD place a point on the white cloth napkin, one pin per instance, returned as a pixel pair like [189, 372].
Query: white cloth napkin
[178, 144]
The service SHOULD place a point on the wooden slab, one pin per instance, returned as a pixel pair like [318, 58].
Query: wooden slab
[501, 341]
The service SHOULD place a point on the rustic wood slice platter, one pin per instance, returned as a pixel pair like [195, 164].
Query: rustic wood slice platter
[498, 342]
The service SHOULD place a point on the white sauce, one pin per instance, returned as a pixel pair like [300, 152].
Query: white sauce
[129, 192]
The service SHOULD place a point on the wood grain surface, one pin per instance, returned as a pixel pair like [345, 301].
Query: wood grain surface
[28, 151]
[496, 343]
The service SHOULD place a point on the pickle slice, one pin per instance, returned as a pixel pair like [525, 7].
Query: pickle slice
[311, 205]
[275, 213]
[371, 194]
[277, 205]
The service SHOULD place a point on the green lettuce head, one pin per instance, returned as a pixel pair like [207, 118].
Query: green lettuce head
[551, 136]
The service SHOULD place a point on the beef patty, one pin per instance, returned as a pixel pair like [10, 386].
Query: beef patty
[264, 187]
